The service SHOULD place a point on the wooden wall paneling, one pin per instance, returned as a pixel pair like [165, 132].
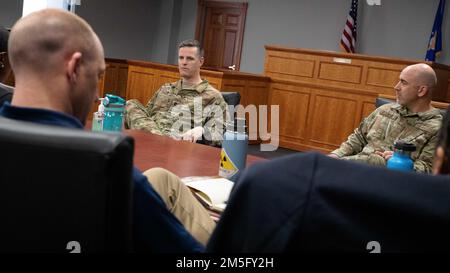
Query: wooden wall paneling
[257, 93]
[334, 116]
[142, 82]
[116, 77]
[331, 118]
[101, 86]
[232, 85]
[316, 117]
[443, 75]
[122, 80]
[346, 73]
[111, 76]
[289, 66]
[293, 103]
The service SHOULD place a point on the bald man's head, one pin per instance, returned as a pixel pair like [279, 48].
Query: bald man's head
[415, 86]
[424, 75]
[41, 41]
[58, 61]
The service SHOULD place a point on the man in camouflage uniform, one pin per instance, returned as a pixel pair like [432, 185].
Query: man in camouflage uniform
[189, 109]
[412, 119]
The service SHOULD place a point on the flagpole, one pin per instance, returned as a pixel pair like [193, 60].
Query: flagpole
[73, 4]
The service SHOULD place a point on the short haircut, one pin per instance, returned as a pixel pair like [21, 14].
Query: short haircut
[39, 40]
[4, 36]
[192, 43]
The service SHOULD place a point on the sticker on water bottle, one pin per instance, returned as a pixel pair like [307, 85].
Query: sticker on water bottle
[227, 168]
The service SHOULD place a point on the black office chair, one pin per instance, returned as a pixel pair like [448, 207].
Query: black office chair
[64, 190]
[231, 98]
[6, 93]
[381, 101]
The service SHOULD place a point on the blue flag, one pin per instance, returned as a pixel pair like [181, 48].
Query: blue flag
[435, 42]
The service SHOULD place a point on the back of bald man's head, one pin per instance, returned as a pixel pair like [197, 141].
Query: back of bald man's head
[41, 41]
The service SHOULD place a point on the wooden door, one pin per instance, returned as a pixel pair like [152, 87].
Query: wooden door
[220, 29]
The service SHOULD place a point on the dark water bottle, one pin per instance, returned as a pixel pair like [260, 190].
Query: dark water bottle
[401, 159]
[233, 155]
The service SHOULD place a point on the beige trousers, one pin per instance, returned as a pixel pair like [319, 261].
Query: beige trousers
[182, 203]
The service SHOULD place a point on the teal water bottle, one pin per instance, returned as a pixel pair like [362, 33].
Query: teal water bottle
[233, 155]
[401, 159]
[114, 112]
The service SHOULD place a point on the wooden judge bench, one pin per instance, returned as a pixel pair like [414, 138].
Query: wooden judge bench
[322, 96]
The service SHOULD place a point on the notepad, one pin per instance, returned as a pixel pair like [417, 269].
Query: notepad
[213, 193]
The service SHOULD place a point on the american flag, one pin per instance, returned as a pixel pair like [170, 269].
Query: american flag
[348, 38]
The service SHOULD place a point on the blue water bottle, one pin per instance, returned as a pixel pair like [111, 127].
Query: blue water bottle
[401, 159]
[233, 155]
[114, 112]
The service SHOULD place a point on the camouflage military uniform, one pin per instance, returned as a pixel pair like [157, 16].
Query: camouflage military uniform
[176, 108]
[384, 126]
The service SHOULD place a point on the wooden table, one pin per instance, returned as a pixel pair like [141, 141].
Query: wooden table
[180, 157]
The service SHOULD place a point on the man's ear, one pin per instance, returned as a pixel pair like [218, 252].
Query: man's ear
[438, 160]
[73, 66]
[423, 91]
[202, 60]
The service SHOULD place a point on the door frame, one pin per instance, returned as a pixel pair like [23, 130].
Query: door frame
[202, 5]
